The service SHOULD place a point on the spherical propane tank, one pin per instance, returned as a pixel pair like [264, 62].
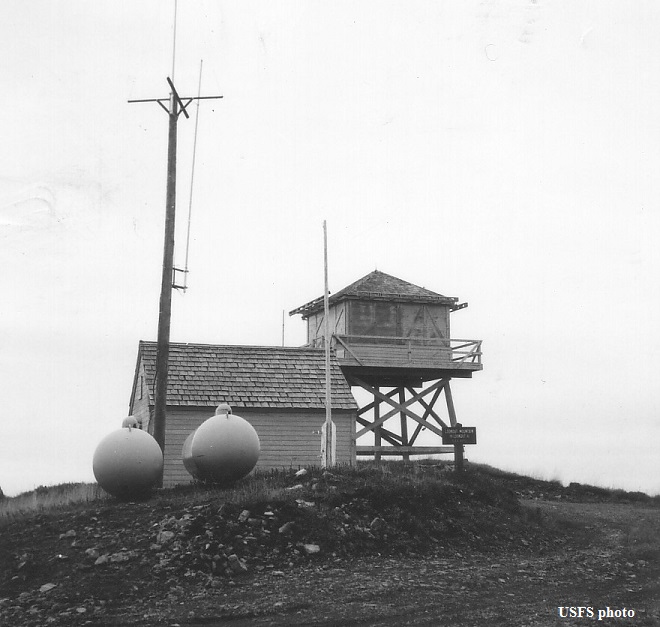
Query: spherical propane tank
[223, 449]
[128, 463]
[186, 454]
[129, 421]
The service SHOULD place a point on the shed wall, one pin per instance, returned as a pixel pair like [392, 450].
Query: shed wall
[288, 438]
[140, 406]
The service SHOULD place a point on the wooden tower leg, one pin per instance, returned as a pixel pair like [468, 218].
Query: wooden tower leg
[458, 457]
[450, 404]
[377, 430]
[458, 448]
[404, 423]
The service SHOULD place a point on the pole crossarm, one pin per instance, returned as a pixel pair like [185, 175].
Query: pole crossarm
[182, 102]
[400, 407]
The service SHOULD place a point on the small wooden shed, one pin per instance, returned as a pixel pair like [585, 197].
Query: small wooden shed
[280, 391]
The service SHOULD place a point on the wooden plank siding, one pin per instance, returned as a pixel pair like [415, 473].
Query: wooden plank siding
[383, 354]
[140, 404]
[315, 324]
[289, 439]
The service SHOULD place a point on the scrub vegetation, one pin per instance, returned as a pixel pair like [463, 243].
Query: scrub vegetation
[48, 498]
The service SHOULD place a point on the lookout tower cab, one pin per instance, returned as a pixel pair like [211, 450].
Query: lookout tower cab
[386, 328]
[393, 339]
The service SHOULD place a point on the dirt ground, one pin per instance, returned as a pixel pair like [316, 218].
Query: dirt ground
[597, 567]
[508, 551]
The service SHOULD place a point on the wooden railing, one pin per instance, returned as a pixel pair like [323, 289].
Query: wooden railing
[466, 351]
[454, 352]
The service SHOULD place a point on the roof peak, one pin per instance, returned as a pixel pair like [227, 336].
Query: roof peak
[378, 285]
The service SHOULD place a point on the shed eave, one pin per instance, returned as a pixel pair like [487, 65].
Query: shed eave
[317, 305]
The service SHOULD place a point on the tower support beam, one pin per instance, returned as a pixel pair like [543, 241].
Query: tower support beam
[400, 407]
[389, 442]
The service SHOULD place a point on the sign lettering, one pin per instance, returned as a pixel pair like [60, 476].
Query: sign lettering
[459, 435]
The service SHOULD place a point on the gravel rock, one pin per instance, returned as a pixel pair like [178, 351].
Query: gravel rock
[237, 565]
[286, 528]
[310, 549]
[243, 516]
[165, 536]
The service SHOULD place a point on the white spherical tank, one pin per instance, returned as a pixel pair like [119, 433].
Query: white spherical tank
[128, 463]
[223, 449]
[129, 421]
[186, 454]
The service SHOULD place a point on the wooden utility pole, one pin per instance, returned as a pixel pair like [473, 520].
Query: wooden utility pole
[175, 107]
[165, 308]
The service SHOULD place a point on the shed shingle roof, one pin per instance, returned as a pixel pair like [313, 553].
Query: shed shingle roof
[247, 376]
[378, 285]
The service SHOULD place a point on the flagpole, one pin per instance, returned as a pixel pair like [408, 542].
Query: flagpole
[328, 444]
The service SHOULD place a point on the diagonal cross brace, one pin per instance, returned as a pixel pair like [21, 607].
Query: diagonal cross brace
[366, 408]
[428, 411]
[429, 406]
[386, 434]
[400, 407]
[348, 349]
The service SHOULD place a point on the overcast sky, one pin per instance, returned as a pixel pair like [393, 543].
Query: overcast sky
[505, 152]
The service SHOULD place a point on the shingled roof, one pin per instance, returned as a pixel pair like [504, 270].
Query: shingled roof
[378, 286]
[247, 376]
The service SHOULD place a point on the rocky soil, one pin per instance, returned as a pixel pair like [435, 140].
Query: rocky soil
[353, 547]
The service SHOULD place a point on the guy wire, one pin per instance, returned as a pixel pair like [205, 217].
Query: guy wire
[192, 178]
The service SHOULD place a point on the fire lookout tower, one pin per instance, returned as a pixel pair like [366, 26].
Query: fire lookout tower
[392, 340]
